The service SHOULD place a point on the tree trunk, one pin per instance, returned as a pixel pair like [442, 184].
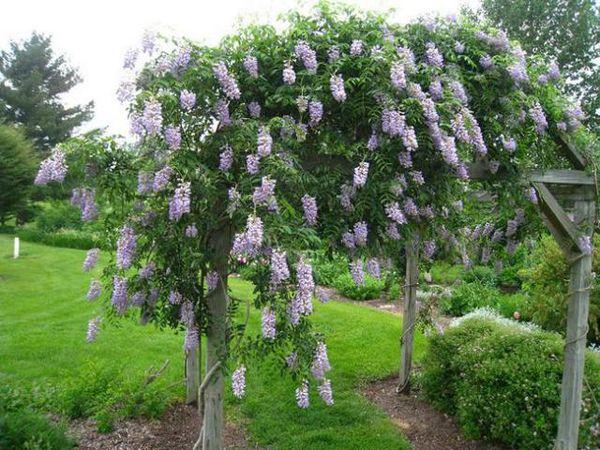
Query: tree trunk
[577, 325]
[216, 345]
[409, 312]
[192, 375]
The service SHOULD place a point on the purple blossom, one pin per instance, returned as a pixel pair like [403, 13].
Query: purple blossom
[486, 62]
[212, 280]
[126, 91]
[309, 205]
[264, 142]
[509, 144]
[289, 76]
[279, 268]
[585, 244]
[562, 126]
[373, 142]
[307, 55]
[148, 42]
[373, 268]
[428, 249]
[410, 208]
[227, 81]
[192, 339]
[222, 113]
[151, 118]
[337, 88]
[553, 71]
[518, 72]
[145, 180]
[250, 241]
[429, 110]
[252, 164]
[238, 381]
[315, 111]
[349, 240]
[94, 291]
[187, 99]
[531, 195]
[173, 137]
[407, 57]
[180, 203]
[187, 314]
[53, 168]
[356, 47]
[435, 89]
[357, 272]
[459, 92]
[459, 47]
[148, 270]
[130, 59]
[306, 287]
[347, 194]
[322, 295]
[497, 236]
[91, 259]
[191, 231]
[264, 195]
[126, 245]
[361, 232]
[180, 60]
[433, 56]
[398, 76]
[302, 103]
[392, 231]
[405, 159]
[254, 109]
[119, 294]
[89, 210]
[575, 116]
[302, 399]
[93, 328]
[539, 118]
[320, 364]
[394, 213]
[333, 54]
[268, 324]
[138, 298]
[417, 177]
[325, 392]
[361, 173]
[175, 298]
[226, 159]
[251, 65]
[161, 178]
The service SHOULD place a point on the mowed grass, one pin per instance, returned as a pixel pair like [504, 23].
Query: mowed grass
[43, 320]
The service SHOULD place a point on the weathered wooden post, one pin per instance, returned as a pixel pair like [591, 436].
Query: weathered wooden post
[16, 248]
[409, 312]
[192, 375]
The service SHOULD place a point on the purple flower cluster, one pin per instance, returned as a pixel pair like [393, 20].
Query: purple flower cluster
[373, 268]
[433, 56]
[94, 291]
[130, 58]
[250, 241]
[410, 207]
[180, 203]
[307, 55]
[53, 168]
[126, 91]
[509, 144]
[91, 259]
[226, 159]
[585, 244]
[518, 72]
[373, 142]
[320, 364]
[238, 381]
[347, 194]
[539, 118]
[417, 177]
[187, 100]
[395, 214]
[325, 392]
[428, 249]
[85, 199]
[222, 113]
[173, 137]
[575, 116]
[356, 47]
[227, 81]
[254, 109]
[315, 111]
[93, 328]
[212, 280]
[264, 195]
[279, 268]
[252, 164]
[175, 298]
[459, 47]
[264, 143]
[145, 180]
[436, 90]
[192, 339]
[148, 270]
[337, 88]
[486, 62]
[151, 118]
[309, 205]
[407, 57]
[361, 232]
[126, 245]
[161, 178]
[302, 399]
[191, 231]
[357, 272]
[119, 294]
[459, 92]
[392, 231]
[499, 41]
[289, 76]
[398, 76]
[268, 324]
[361, 172]
[251, 65]
[187, 314]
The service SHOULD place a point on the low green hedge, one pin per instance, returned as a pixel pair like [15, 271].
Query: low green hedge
[61, 238]
[502, 381]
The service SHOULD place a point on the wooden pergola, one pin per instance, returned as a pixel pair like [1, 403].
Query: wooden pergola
[559, 191]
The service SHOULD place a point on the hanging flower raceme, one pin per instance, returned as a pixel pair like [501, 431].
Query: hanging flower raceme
[433, 56]
[357, 272]
[373, 268]
[91, 259]
[250, 241]
[227, 81]
[187, 99]
[192, 339]
[325, 392]
[251, 65]
[238, 381]
[126, 247]
[93, 328]
[361, 173]
[94, 291]
[337, 88]
[289, 76]
[180, 203]
[356, 48]
[315, 111]
[119, 294]
[268, 324]
[161, 179]
[302, 399]
[226, 159]
[264, 142]
[254, 109]
[173, 137]
[53, 168]
[309, 205]
[152, 118]
[307, 55]
[279, 268]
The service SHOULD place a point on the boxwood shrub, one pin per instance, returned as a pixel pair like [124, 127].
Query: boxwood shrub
[502, 381]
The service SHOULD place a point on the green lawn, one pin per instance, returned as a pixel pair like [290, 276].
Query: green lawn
[43, 320]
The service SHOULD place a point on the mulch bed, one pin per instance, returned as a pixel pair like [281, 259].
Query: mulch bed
[178, 429]
[425, 427]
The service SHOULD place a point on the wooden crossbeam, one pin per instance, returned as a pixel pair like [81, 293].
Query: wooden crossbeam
[571, 152]
[570, 177]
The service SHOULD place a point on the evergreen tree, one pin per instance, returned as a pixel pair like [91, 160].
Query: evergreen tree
[32, 81]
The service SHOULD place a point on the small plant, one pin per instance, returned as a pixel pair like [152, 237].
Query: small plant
[467, 297]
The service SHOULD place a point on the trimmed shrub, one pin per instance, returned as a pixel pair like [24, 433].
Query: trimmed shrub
[370, 290]
[467, 297]
[481, 274]
[502, 381]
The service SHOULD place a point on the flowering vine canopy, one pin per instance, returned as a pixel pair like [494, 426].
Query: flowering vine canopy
[341, 129]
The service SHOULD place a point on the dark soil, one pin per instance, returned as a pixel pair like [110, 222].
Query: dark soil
[425, 427]
[177, 430]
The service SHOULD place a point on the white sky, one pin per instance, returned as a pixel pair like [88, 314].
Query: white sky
[94, 35]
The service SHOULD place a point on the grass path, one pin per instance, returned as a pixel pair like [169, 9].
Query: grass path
[43, 319]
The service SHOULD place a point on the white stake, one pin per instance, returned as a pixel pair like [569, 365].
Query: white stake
[16, 249]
